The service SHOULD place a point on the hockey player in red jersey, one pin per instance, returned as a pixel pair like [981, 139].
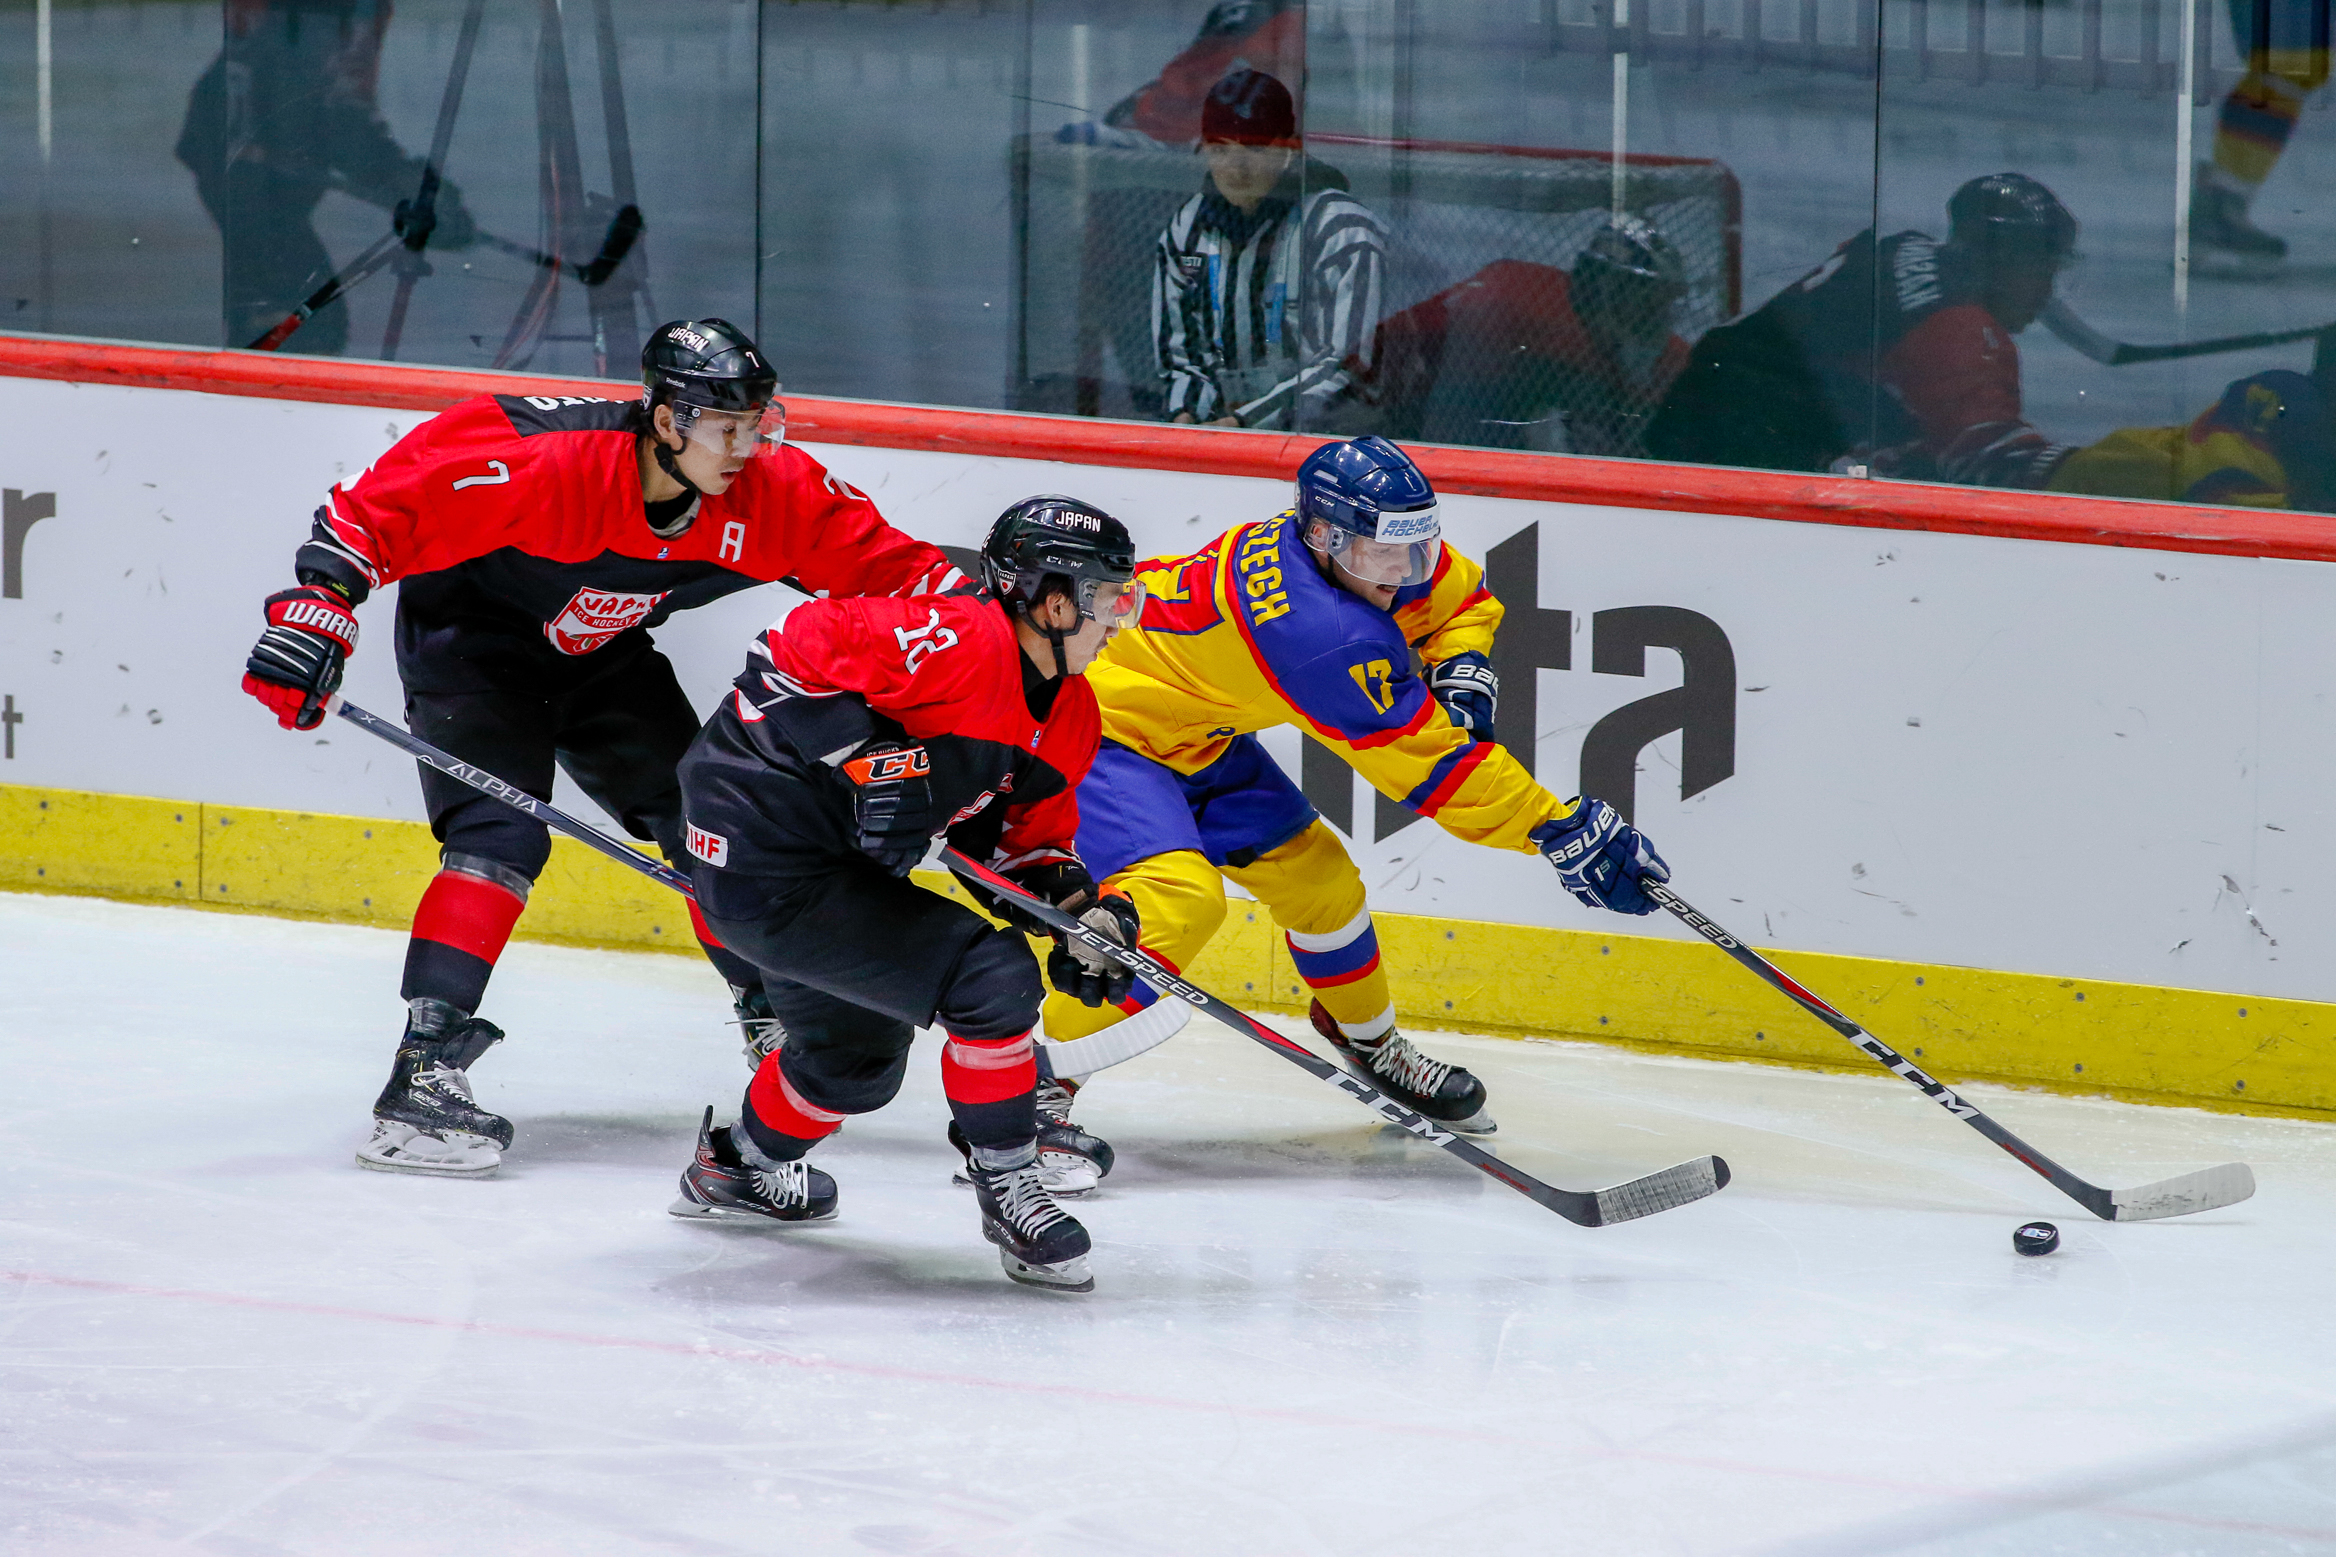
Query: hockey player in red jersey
[536, 540]
[859, 731]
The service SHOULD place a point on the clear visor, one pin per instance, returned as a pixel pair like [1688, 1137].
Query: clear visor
[733, 434]
[1400, 563]
[1118, 605]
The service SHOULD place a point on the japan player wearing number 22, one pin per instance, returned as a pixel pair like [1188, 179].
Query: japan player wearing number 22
[859, 731]
[536, 540]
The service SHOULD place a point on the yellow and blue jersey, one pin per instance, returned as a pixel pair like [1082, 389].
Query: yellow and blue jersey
[1247, 634]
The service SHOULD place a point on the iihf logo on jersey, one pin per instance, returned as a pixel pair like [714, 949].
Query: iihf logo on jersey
[594, 616]
[713, 848]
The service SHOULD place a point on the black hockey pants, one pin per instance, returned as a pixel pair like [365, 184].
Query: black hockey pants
[855, 960]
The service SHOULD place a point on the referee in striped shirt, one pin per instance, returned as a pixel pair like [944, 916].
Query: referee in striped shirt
[1266, 295]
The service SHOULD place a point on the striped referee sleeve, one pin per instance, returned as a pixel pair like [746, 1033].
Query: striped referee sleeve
[1182, 322]
[1342, 261]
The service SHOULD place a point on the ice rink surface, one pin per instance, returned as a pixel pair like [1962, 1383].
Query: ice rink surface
[1309, 1335]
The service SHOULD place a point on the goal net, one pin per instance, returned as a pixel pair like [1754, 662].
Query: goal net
[1089, 217]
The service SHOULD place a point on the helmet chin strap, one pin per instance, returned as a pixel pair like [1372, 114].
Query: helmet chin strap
[668, 464]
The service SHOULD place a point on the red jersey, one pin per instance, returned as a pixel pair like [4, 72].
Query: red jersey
[526, 511]
[1007, 747]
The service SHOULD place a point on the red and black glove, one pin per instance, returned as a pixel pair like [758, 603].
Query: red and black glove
[297, 663]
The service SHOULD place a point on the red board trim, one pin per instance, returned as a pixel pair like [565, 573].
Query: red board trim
[1750, 494]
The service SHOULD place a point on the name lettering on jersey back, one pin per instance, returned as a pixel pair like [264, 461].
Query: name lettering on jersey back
[594, 616]
[1259, 566]
[920, 643]
[554, 402]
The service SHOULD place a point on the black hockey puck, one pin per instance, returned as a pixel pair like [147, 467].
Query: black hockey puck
[2036, 1238]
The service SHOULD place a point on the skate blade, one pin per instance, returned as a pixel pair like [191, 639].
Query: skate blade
[427, 1168]
[456, 1155]
[1070, 1276]
[1478, 1123]
[694, 1211]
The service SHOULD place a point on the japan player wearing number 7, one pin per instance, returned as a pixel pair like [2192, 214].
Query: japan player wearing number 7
[859, 732]
[536, 540]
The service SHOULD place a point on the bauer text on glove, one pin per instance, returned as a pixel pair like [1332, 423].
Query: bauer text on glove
[1601, 858]
[1469, 690]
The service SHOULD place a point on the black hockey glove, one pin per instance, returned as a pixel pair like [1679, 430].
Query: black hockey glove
[297, 663]
[1469, 690]
[1058, 879]
[1086, 975]
[892, 803]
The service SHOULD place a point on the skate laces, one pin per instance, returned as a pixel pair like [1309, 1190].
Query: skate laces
[789, 1182]
[1404, 1065]
[1023, 1201]
[445, 1079]
[1054, 1101]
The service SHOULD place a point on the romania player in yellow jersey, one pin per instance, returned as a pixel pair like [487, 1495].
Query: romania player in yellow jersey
[1348, 617]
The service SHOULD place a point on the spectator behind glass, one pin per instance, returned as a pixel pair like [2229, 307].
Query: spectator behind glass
[1895, 353]
[285, 113]
[1265, 292]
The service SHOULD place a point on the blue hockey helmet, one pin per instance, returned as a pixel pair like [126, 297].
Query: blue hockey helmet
[1376, 510]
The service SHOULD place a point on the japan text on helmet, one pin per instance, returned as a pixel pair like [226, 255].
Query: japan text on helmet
[2009, 218]
[1628, 276]
[720, 388]
[1056, 542]
[1380, 512]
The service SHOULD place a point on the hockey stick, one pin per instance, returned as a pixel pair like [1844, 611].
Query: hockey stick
[416, 221]
[355, 271]
[623, 232]
[519, 799]
[1675, 1186]
[2064, 322]
[2206, 1190]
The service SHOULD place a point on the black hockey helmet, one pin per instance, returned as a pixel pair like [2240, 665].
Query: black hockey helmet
[1058, 544]
[2010, 218]
[708, 363]
[1628, 276]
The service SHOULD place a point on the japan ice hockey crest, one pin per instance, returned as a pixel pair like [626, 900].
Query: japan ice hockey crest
[594, 616]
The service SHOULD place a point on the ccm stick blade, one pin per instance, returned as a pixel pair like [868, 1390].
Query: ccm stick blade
[2206, 1190]
[1677, 1186]
[1673, 1187]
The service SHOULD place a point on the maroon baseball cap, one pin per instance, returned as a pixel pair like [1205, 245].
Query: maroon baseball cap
[1250, 108]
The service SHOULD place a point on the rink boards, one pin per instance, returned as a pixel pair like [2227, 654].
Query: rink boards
[2027, 785]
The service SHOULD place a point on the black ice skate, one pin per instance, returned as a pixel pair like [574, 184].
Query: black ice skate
[1070, 1161]
[762, 1031]
[1445, 1093]
[1039, 1243]
[426, 1120]
[722, 1185]
[2220, 226]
